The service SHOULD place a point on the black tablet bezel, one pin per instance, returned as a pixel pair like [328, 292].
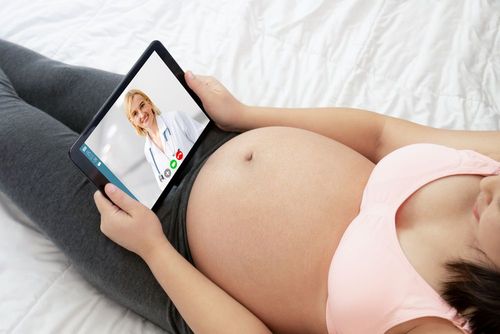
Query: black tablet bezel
[88, 169]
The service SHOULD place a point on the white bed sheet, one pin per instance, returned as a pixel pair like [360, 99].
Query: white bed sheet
[433, 62]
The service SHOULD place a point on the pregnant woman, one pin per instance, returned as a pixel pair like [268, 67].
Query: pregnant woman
[328, 220]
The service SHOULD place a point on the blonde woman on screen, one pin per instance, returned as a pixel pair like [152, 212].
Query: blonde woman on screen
[169, 135]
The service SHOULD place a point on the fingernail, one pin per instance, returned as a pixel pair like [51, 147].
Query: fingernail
[190, 75]
[111, 187]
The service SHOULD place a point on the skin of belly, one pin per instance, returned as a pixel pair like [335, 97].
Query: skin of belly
[265, 216]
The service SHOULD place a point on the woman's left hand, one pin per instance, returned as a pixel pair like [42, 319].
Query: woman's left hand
[127, 222]
[227, 112]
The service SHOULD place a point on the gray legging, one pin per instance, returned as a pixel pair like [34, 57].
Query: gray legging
[44, 105]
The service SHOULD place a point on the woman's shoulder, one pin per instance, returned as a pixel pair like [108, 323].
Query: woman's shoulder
[425, 157]
[405, 169]
[407, 161]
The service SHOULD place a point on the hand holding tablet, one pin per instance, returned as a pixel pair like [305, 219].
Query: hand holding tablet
[144, 133]
[133, 226]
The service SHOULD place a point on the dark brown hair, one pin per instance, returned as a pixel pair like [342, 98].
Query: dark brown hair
[474, 291]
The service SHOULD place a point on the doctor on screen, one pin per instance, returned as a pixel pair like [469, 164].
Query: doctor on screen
[169, 135]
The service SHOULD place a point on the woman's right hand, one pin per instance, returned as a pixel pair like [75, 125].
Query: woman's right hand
[128, 222]
[227, 112]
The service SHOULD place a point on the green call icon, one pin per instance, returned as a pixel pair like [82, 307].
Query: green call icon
[173, 164]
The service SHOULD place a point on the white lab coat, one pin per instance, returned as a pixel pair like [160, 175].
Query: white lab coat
[177, 132]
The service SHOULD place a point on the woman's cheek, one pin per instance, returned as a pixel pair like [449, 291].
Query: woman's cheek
[489, 235]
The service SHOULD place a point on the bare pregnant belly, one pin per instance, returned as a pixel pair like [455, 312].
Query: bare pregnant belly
[265, 216]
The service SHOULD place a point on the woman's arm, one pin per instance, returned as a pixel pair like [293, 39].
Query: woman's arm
[398, 132]
[371, 134]
[359, 129]
[205, 307]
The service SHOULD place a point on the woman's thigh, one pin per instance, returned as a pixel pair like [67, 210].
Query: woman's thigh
[36, 173]
[70, 94]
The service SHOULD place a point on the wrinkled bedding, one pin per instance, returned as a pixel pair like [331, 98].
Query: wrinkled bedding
[432, 62]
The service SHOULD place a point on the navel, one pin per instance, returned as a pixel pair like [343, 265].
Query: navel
[249, 156]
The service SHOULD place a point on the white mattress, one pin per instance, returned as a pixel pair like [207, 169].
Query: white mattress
[433, 62]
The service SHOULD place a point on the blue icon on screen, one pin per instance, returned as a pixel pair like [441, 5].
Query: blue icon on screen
[110, 176]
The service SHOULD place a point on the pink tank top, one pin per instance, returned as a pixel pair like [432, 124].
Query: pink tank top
[372, 287]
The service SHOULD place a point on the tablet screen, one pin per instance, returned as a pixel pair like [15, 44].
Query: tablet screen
[143, 139]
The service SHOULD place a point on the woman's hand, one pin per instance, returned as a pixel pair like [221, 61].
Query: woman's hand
[127, 222]
[227, 112]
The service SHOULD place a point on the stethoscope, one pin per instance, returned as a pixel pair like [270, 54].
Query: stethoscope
[168, 172]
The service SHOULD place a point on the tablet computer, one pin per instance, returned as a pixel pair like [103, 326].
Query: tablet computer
[146, 131]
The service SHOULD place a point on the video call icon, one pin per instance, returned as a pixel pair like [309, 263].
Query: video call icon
[173, 164]
[167, 173]
[179, 155]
